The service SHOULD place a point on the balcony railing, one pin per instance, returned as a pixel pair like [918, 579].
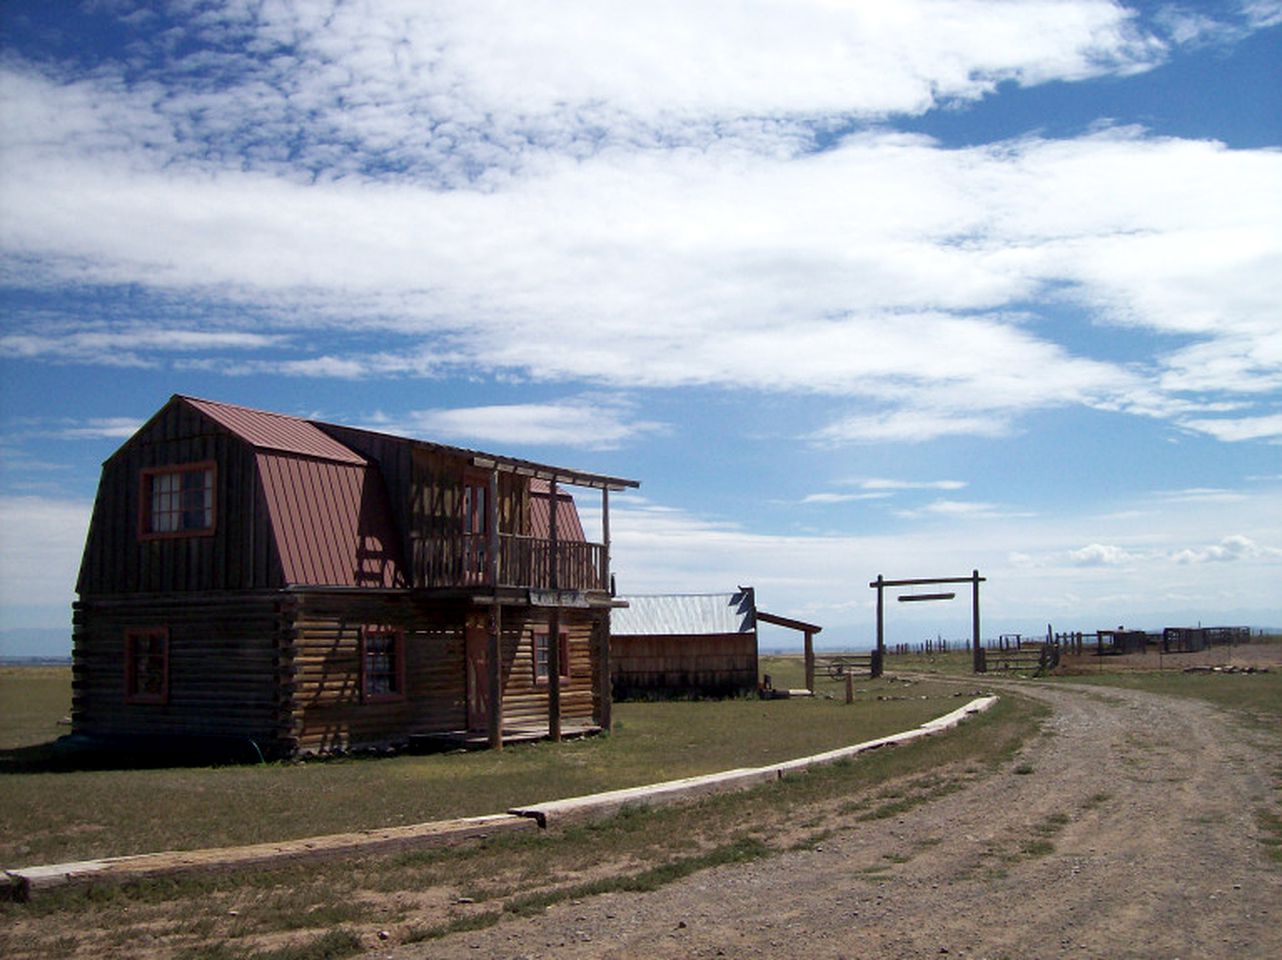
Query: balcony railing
[462, 560]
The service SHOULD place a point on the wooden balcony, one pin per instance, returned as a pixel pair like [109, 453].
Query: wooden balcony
[524, 562]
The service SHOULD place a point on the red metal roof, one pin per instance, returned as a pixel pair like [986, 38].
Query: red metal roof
[331, 521]
[276, 431]
[568, 526]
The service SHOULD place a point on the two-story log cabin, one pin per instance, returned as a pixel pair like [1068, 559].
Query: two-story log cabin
[309, 587]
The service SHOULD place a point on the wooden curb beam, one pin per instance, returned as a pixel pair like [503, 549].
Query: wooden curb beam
[28, 881]
[599, 806]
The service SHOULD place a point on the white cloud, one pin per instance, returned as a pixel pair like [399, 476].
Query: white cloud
[1101, 555]
[1237, 547]
[41, 541]
[1202, 495]
[125, 346]
[600, 424]
[1243, 428]
[98, 428]
[963, 510]
[912, 426]
[842, 497]
[1036, 566]
[460, 90]
[498, 193]
[879, 483]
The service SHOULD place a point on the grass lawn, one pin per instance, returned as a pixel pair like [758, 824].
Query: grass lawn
[48, 816]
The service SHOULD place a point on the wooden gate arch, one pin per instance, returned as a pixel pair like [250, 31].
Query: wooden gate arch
[881, 584]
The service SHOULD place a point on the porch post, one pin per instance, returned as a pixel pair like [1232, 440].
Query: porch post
[554, 623]
[810, 661]
[494, 655]
[605, 538]
[603, 682]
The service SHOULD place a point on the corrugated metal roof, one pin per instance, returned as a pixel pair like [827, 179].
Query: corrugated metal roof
[568, 526]
[308, 438]
[276, 431]
[685, 614]
[331, 521]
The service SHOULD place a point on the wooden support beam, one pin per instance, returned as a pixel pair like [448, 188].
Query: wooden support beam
[880, 584]
[554, 624]
[977, 655]
[494, 638]
[605, 695]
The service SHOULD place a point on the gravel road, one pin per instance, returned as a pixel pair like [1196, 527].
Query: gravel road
[1128, 830]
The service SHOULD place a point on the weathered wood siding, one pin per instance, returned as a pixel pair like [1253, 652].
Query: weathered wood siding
[435, 496]
[704, 665]
[328, 710]
[239, 555]
[525, 700]
[425, 484]
[228, 658]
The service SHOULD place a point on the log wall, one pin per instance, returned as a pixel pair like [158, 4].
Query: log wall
[229, 658]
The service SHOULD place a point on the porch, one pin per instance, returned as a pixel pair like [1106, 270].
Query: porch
[463, 560]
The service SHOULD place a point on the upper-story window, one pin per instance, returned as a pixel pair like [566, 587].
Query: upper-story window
[177, 501]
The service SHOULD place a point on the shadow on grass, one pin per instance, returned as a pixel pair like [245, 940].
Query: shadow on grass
[76, 753]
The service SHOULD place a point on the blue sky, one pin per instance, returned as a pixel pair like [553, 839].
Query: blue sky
[851, 288]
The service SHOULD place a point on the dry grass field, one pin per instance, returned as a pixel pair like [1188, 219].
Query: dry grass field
[516, 891]
[52, 812]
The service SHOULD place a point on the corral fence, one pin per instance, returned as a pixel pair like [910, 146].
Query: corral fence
[1039, 654]
[862, 665]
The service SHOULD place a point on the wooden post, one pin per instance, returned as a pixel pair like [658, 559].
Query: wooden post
[554, 624]
[850, 687]
[604, 694]
[810, 661]
[977, 653]
[881, 619]
[605, 538]
[494, 651]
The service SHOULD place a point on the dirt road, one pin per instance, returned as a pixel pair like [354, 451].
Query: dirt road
[1129, 830]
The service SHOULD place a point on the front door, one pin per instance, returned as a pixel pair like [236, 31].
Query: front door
[477, 641]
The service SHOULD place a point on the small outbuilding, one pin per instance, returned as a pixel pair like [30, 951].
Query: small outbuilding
[684, 645]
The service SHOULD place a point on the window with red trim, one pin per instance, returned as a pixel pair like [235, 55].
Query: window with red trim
[382, 664]
[147, 665]
[541, 655]
[177, 501]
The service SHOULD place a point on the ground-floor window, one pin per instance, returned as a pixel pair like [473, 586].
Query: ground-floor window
[147, 665]
[541, 655]
[382, 664]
